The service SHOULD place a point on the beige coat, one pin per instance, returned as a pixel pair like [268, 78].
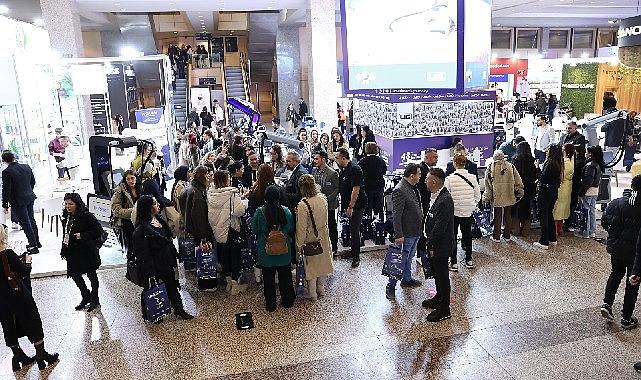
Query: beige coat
[503, 184]
[320, 265]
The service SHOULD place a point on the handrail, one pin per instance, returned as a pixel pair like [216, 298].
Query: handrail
[224, 80]
[243, 69]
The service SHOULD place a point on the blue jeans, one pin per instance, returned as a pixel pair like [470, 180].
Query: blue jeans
[589, 203]
[25, 217]
[409, 250]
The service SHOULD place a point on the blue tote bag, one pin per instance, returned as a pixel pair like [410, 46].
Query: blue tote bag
[394, 262]
[156, 302]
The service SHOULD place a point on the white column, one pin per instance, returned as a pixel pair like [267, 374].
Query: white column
[322, 68]
[62, 21]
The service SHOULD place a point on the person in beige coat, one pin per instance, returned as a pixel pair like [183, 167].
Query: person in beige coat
[503, 187]
[316, 267]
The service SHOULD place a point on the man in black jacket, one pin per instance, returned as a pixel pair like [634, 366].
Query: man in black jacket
[374, 169]
[470, 166]
[353, 201]
[573, 136]
[430, 159]
[439, 224]
[291, 188]
[17, 192]
[622, 220]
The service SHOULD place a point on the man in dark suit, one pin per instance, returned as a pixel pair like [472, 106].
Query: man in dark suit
[17, 192]
[430, 159]
[469, 165]
[291, 188]
[439, 224]
[303, 110]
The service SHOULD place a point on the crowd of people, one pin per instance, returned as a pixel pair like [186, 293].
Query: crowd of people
[267, 216]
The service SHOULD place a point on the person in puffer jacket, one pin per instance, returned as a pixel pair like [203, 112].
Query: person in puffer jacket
[503, 187]
[225, 207]
[622, 220]
[466, 194]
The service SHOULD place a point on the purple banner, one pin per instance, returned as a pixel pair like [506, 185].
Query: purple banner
[423, 97]
[400, 152]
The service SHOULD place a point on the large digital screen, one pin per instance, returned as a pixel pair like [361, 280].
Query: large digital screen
[406, 44]
[478, 40]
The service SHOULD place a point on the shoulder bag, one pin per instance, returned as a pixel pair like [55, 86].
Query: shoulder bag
[12, 278]
[313, 248]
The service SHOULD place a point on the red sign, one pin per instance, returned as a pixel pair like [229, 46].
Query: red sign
[516, 67]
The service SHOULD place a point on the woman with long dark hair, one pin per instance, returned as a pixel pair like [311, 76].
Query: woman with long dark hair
[155, 251]
[338, 142]
[524, 163]
[195, 207]
[80, 249]
[589, 190]
[122, 205]
[277, 160]
[547, 194]
[267, 218]
[18, 311]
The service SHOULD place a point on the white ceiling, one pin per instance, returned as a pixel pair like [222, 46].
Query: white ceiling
[186, 5]
[561, 13]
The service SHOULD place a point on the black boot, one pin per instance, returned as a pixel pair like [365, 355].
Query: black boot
[43, 357]
[86, 299]
[179, 310]
[94, 301]
[20, 359]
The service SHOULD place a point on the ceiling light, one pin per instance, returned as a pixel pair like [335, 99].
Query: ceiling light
[175, 32]
[201, 16]
[122, 9]
[117, 4]
[4, 9]
[498, 24]
[38, 21]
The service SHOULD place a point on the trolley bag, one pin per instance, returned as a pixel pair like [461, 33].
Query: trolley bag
[481, 226]
[426, 264]
[156, 301]
[247, 260]
[186, 252]
[206, 266]
[394, 262]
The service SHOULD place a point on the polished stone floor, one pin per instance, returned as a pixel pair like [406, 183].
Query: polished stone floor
[521, 314]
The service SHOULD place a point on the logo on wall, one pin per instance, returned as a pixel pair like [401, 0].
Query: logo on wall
[409, 157]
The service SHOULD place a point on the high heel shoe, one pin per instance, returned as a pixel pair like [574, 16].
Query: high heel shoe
[46, 359]
[21, 361]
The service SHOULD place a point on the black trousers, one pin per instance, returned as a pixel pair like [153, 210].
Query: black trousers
[80, 283]
[127, 235]
[442, 280]
[355, 232]
[285, 286]
[466, 239]
[333, 229]
[229, 258]
[545, 203]
[375, 202]
[621, 269]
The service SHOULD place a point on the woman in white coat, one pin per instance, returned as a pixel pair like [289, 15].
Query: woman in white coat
[319, 266]
[465, 191]
[225, 207]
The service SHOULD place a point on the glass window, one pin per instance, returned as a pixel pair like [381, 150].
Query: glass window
[583, 39]
[558, 39]
[607, 38]
[501, 39]
[527, 39]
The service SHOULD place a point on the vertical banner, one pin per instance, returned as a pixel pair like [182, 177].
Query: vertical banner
[117, 91]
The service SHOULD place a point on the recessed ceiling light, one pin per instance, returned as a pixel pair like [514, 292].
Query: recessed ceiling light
[201, 16]
[175, 32]
[122, 9]
[498, 24]
[117, 4]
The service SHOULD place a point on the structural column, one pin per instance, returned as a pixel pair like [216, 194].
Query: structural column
[289, 68]
[62, 21]
[322, 67]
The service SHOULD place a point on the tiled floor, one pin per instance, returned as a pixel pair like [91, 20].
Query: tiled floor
[521, 314]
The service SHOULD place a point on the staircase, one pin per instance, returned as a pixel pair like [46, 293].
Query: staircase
[180, 103]
[235, 88]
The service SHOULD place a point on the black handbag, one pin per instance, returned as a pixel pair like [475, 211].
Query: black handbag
[313, 248]
[133, 272]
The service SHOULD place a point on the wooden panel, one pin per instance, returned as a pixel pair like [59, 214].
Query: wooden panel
[232, 59]
[623, 81]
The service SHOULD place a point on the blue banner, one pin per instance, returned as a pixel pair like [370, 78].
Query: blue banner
[149, 115]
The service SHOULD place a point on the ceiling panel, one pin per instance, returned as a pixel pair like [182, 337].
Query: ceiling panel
[187, 5]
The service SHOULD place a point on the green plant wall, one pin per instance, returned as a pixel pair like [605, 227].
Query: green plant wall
[582, 99]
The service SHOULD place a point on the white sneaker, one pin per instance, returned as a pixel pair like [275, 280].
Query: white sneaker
[453, 267]
[536, 244]
[495, 240]
[469, 264]
[593, 236]
[554, 243]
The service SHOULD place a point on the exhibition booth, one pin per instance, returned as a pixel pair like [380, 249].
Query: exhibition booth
[424, 97]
